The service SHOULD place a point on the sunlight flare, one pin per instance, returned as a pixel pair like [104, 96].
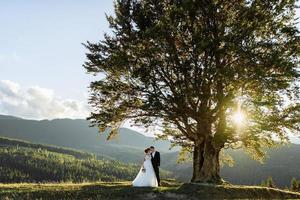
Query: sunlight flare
[238, 117]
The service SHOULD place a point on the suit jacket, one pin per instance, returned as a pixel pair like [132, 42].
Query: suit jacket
[156, 159]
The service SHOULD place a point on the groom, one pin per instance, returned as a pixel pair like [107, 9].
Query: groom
[155, 159]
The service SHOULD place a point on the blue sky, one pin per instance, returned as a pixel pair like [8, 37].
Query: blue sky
[41, 55]
[41, 42]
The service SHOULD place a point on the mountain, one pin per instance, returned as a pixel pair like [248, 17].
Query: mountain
[9, 117]
[282, 164]
[77, 134]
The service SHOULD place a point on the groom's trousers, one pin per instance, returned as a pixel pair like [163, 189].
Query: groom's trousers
[156, 170]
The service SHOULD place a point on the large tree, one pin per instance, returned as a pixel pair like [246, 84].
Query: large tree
[196, 67]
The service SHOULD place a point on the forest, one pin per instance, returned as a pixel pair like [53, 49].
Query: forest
[27, 162]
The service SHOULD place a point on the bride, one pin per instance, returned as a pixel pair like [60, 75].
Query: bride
[146, 176]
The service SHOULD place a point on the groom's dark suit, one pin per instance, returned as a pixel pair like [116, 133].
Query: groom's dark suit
[155, 159]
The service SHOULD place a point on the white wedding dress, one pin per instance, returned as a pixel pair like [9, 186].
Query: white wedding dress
[146, 178]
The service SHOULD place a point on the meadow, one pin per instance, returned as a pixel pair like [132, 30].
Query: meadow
[170, 190]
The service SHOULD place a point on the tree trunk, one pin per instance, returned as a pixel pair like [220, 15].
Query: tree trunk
[206, 165]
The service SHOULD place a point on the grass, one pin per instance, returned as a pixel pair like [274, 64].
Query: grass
[122, 190]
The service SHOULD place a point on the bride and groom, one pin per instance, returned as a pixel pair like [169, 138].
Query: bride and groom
[148, 175]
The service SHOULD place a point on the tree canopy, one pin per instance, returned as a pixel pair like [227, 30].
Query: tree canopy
[214, 74]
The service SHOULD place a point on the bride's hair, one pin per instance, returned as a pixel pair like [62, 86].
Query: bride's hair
[147, 150]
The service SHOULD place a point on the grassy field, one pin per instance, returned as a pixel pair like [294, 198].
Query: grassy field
[123, 190]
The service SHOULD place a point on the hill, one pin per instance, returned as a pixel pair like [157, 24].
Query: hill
[8, 142]
[123, 190]
[282, 164]
[39, 163]
[77, 134]
[8, 117]
[21, 161]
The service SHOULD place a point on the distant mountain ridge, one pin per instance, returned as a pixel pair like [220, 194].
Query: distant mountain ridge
[9, 117]
[76, 129]
[76, 133]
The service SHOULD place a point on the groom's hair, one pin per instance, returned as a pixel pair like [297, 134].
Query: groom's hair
[152, 147]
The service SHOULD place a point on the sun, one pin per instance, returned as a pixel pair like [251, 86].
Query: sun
[238, 118]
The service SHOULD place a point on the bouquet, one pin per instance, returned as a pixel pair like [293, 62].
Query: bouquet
[143, 170]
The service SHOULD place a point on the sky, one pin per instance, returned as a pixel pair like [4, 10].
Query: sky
[41, 55]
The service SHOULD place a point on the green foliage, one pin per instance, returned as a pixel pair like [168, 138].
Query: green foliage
[31, 165]
[188, 67]
[268, 183]
[295, 184]
[20, 143]
[226, 159]
[184, 155]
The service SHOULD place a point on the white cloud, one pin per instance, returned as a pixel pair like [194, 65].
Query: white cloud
[38, 103]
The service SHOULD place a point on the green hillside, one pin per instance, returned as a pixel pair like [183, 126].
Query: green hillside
[78, 135]
[170, 190]
[26, 162]
[8, 142]
[283, 163]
